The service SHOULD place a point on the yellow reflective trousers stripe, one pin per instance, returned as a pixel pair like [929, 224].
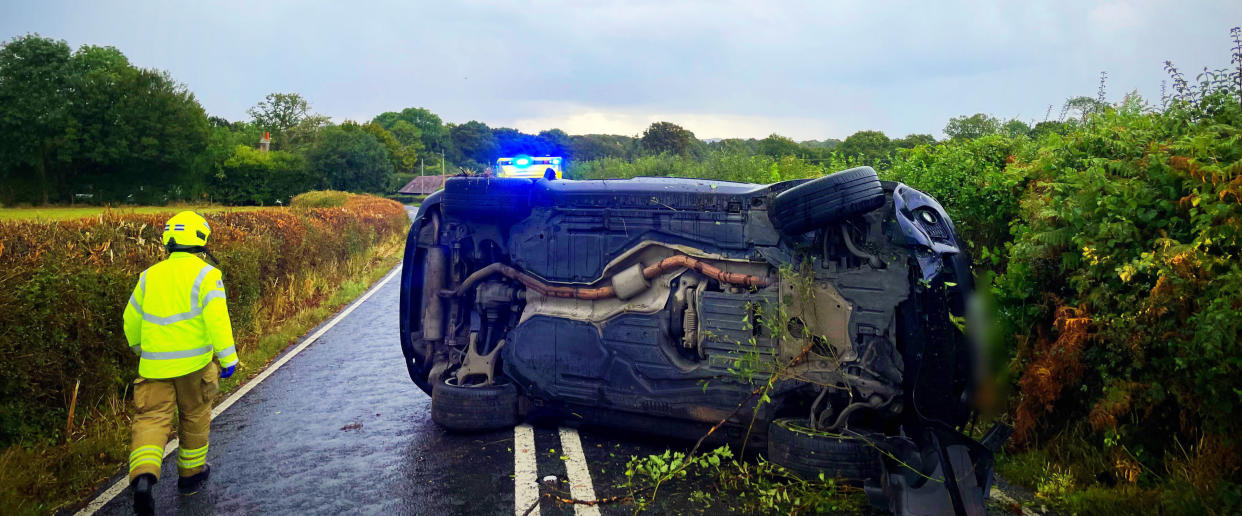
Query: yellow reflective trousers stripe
[146, 455]
[194, 458]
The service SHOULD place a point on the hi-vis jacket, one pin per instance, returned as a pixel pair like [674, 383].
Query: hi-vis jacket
[177, 317]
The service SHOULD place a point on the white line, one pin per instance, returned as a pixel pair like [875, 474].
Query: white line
[525, 470]
[579, 476]
[123, 483]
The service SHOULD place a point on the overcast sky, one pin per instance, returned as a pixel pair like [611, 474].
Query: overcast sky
[808, 70]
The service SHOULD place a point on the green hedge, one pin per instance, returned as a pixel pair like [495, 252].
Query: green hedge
[320, 199]
[63, 286]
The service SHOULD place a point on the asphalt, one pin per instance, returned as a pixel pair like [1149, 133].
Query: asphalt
[341, 429]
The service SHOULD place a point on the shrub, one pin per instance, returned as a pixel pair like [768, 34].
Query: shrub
[320, 199]
[1122, 292]
[64, 285]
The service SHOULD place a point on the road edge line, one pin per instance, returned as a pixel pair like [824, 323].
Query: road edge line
[100, 501]
[580, 486]
[525, 470]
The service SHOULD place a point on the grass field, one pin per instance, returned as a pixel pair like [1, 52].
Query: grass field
[77, 212]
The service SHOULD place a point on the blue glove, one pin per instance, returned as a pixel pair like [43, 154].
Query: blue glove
[228, 371]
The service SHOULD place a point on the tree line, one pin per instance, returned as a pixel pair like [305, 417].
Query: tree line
[87, 125]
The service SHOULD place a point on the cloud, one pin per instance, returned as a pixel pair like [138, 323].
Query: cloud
[732, 68]
[578, 119]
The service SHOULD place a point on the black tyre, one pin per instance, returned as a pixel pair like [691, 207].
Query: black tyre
[471, 409]
[487, 198]
[792, 445]
[815, 203]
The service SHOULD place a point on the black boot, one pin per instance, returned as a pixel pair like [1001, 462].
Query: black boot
[144, 494]
[191, 484]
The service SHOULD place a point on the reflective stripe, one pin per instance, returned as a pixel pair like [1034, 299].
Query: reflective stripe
[153, 460]
[146, 455]
[142, 283]
[226, 352]
[133, 301]
[195, 308]
[146, 450]
[173, 355]
[187, 464]
[198, 283]
[137, 349]
[215, 294]
[190, 454]
[230, 364]
[165, 321]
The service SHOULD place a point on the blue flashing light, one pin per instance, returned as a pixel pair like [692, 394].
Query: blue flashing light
[556, 161]
[522, 161]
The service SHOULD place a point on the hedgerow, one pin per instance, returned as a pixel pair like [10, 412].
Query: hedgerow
[1123, 296]
[63, 286]
[1113, 249]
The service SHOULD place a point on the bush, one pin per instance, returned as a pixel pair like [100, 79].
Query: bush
[321, 199]
[251, 176]
[65, 284]
[1124, 289]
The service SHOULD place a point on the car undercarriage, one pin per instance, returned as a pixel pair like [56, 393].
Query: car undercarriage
[664, 304]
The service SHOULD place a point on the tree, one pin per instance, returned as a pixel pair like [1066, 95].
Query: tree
[778, 146]
[35, 90]
[828, 143]
[667, 137]
[474, 145]
[868, 146]
[73, 121]
[1049, 127]
[1016, 127]
[347, 158]
[914, 140]
[556, 143]
[432, 131]
[279, 112]
[972, 126]
[139, 133]
[1084, 107]
[300, 138]
[403, 156]
[588, 147]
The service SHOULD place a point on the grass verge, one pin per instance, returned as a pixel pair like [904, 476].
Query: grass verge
[44, 479]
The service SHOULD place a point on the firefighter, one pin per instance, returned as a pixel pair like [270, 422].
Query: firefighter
[176, 322]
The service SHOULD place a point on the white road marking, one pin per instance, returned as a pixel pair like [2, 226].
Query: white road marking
[120, 485]
[579, 476]
[525, 470]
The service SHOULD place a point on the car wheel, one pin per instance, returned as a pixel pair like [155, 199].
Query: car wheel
[818, 202]
[473, 408]
[793, 445]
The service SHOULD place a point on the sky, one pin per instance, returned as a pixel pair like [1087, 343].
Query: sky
[806, 70]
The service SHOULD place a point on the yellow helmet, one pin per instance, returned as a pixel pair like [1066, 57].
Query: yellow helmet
[187, 229]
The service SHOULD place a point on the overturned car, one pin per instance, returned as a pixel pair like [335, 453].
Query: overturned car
[661, 304]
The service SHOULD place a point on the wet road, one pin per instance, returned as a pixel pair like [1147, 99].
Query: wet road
[339, 428]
